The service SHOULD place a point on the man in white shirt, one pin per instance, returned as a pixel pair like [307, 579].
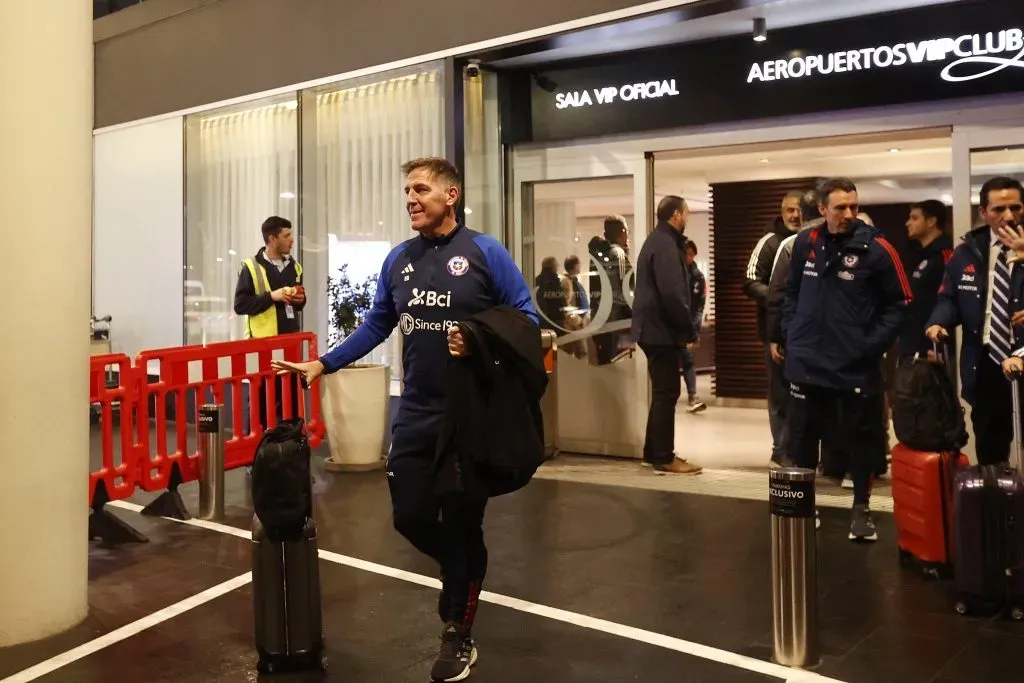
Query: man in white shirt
[980, 291]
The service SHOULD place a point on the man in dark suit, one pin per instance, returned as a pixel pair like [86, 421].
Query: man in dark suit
[662, 325]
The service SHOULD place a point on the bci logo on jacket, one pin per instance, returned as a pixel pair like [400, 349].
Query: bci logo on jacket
[431, 299]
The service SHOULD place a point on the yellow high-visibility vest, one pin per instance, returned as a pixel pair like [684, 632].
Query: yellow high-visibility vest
[264, 324]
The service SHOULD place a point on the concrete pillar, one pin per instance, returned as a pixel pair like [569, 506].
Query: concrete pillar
[46, 90]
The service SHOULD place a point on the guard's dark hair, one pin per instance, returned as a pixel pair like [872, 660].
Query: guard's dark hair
[933, 208]
[830, 185]
[809, 205]
[571, 262]
[999, 183]
[273, 227]
[668, 206]
[692, 246]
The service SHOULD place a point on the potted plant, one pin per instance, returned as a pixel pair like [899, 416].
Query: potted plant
[355, 400]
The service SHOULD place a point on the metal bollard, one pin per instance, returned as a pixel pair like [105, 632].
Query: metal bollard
[211, 462]
[794, 568]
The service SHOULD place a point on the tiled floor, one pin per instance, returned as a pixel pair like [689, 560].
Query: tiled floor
[668, 564]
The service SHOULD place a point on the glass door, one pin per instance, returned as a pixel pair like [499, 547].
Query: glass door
[578, 244]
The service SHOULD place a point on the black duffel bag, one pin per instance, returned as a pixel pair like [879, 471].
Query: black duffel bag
[281, 480]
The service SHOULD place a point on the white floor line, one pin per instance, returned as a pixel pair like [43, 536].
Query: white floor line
[581, 620]
[127, 631]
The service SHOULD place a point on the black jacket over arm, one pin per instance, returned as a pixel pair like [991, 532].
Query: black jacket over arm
[492, 431]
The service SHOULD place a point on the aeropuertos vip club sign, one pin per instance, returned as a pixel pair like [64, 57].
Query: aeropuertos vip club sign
[965, 49]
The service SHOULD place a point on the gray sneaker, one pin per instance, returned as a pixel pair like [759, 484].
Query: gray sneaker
[695, 405]
[862, 526]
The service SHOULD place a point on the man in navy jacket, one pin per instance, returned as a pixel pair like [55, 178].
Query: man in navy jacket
[846, 298]
[445, 274]
[980, 292]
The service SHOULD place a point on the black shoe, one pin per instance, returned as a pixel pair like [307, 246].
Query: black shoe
[457, 656]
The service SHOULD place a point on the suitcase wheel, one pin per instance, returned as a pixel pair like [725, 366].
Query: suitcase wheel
[961, 606]
[1017, 613]
[265, 667]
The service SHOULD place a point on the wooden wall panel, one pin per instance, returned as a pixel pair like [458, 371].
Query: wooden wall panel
[741, 214]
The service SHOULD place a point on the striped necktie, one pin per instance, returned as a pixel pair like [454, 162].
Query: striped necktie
[999, 341]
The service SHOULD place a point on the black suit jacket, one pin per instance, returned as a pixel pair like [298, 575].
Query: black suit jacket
[492, 431]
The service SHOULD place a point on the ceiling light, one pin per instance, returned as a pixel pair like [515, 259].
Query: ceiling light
[894, 150]
[287, 195]
[220, 260]
[232, 252]
[468, 210]
[764, 160]
[760, 30]
[946, 198]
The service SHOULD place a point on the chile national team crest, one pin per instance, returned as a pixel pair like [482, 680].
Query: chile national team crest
[458, 266]
[851, 260]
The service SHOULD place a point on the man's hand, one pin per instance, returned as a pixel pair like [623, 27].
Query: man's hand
[1018, 319]
[278, 295]
[937, 333]
[456, 343]
[778, 353]
[693, 346]
[1014, 239]
[310, 370]
[1013, 367]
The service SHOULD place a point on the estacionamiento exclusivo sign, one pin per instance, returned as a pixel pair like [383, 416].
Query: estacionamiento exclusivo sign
[959, 50]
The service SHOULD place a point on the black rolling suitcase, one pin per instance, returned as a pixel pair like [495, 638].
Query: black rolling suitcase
[285, 562]
[989, 533]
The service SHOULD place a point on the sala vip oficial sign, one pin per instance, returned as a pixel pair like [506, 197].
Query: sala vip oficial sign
[973, 56]
[608, 95]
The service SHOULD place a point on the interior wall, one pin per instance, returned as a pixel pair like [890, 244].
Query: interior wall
[138, 222]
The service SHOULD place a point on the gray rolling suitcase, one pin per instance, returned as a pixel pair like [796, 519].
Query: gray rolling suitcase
[286, 600]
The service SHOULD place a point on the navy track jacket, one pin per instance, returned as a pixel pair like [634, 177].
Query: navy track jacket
[846, 300]
[425, 287]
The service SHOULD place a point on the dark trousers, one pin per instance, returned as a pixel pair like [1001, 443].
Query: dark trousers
[847, 425]
[449, 529]
[992, 414]
[663, 369]
[293, 380]
[778, 399]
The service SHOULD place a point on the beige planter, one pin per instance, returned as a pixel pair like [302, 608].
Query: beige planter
[355, 408]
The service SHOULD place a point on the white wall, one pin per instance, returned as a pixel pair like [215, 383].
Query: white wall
[138, 223]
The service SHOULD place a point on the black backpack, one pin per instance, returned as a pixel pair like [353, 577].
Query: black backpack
[926, 411]
[281, 479]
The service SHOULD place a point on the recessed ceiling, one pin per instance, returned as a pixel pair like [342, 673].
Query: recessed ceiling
[658, 30]
[921, 169]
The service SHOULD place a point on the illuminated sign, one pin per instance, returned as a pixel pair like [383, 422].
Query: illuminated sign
[975, 56]
[609, 94]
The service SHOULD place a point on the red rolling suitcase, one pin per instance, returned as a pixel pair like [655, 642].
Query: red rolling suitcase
[922, 493]
[989, 532]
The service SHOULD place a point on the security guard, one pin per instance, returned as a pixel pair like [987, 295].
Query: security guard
[269, 294]
[846, 299]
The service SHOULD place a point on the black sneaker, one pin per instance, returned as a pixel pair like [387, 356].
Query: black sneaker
[457, 656]
[862, 526]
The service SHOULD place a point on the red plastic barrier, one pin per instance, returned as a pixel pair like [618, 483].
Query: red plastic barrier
[174, 386]
[118, 479]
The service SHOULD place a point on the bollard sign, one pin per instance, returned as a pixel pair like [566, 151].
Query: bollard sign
[791, 498]
[209, 419]
[952, 51]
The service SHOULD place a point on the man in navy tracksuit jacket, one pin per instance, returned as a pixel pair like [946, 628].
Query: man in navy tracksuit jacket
[426, 285]
[846, 298]
[970, 297]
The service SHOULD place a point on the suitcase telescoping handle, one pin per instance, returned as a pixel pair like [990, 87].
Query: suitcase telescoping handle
[1016, 456]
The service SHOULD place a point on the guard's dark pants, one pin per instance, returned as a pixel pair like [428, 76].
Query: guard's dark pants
[448, 529]
[778, 400]
[279, 398]
[846, 424]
